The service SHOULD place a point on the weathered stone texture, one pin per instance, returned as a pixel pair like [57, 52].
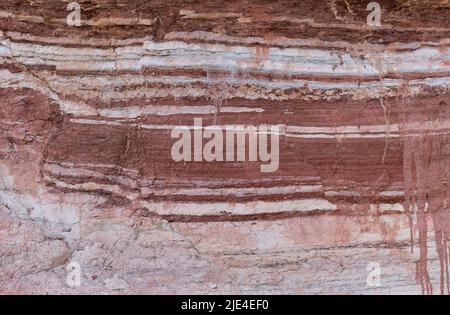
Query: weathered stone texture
[86, 174]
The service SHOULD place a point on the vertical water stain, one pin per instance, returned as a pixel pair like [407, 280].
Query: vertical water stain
[426, 176]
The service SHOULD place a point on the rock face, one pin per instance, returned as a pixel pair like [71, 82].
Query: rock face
[93, 201]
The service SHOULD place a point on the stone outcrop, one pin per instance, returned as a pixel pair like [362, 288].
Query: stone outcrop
[87, 177]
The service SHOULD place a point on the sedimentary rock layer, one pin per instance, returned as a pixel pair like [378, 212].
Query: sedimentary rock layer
[87, 175]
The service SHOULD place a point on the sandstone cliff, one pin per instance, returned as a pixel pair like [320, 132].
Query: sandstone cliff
[86, 174]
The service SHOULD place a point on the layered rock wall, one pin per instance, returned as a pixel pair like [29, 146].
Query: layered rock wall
[87, 175]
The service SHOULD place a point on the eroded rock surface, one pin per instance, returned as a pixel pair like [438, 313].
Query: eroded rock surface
[87, 177]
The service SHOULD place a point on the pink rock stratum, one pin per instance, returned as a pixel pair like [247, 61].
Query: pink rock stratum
[348, 188]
